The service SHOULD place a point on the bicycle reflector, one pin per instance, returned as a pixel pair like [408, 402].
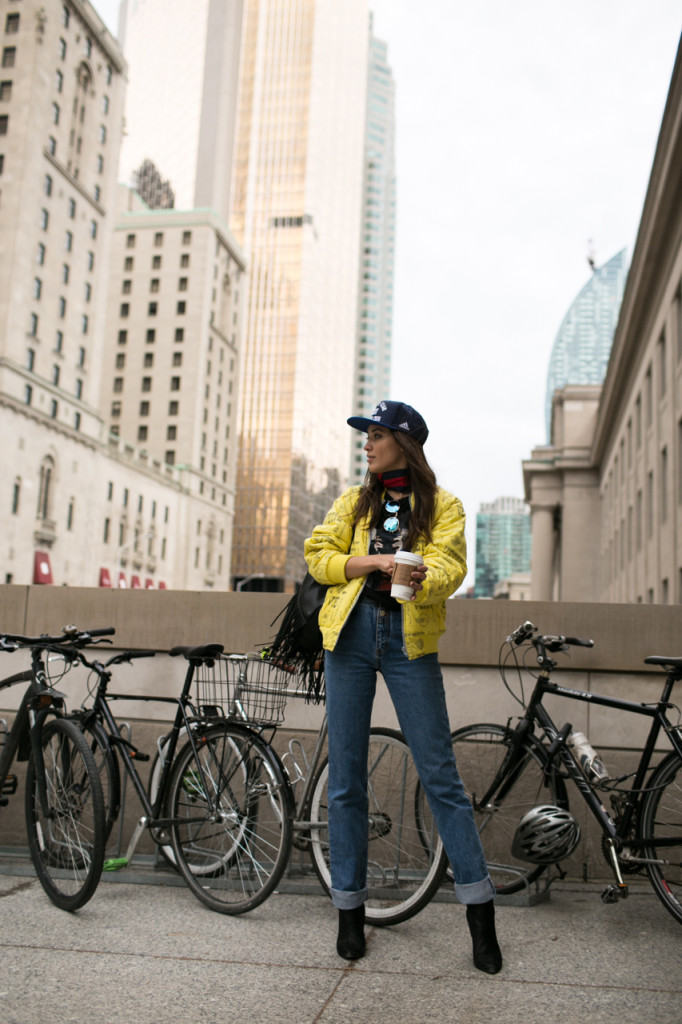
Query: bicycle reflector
[545, 835]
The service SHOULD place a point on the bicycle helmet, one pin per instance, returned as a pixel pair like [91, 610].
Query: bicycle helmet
[545, 835]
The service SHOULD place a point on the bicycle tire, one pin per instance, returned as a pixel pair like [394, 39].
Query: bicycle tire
[403, 874]
[479, 751]
[166, 848]
[67, 843]
[234, 831]
[661, 818]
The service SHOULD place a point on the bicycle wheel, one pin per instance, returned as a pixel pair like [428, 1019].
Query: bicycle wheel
[66, 840]
[200, 866]
[661, 826]
[233, 809]
[479, 752]
[403, 873]
[107, 766]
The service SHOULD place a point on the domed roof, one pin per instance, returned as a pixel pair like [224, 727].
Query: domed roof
[583, 344]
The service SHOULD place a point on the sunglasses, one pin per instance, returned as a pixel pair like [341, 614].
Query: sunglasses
[391, 523]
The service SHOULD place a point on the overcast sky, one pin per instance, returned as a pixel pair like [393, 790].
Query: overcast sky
[525, 129]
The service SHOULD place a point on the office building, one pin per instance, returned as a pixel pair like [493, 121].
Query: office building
[181, 102]
[502, 543]
[169, 390]
[606, 494]
[375, 307]
[297, 213]
[583, 343]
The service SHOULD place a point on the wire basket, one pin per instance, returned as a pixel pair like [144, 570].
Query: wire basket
[245, 687]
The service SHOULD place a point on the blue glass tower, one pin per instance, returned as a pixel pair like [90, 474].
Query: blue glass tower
[583, 345]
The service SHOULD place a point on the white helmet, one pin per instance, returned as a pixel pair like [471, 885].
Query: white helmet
[545, 835]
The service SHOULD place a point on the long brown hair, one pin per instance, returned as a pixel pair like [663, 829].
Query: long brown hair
[424, 487]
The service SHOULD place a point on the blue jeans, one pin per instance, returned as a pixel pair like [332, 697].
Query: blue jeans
[371, 641]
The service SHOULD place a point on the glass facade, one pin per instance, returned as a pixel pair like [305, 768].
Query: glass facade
[583, 345]
[296, 205]
[503, 543]
[375, 309]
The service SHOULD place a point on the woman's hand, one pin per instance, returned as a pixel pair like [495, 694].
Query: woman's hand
[363, 565]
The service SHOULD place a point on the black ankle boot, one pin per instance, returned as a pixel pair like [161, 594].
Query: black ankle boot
[351, 941]
[481, 921]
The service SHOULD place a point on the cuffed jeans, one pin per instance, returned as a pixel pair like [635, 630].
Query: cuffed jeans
[371, 641]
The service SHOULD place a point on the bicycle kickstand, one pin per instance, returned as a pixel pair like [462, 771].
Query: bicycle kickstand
[613, 893]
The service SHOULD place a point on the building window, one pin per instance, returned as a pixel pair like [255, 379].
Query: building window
[115, 410]
[152, 309]
[68, 241]
[88, 291]
[16, 496]
[5, 91]
[58, 81]
[4, 124]
[169, 458]
[118, 385]
[30, 359]
[79, 388]
[28, 394]
[59, 341]
[62, 307]
[44, 219]
[102, 133]
[81, 357]
[122, 337]
[664, 485]
[45, 487]
[128, 263]
[37, 287]
[41, 254]
[61, 49]
[127, 287]
[154, 284]
[184, 259]
[11, 24]
[9, 54]
[156, 262]
[175, 384]
[130, 241]
[173, 408]
[66, 16]
[124, 310]
[52, 145]
[93, 229]
[179, 333]
[120, 360]
[66, 271]
[158, 238]
[146, 384]
[151, 336]
[142, 433]
[186, 237]
[181, 308]
[171, 433]
[662, 374]
[177, 359]
[182, 284]
[47, 185]
[55, 113]
[105, 104]
[69, 514]
[33, 329]
[148, 359]
[144, 408]
[55, 374]
[77, 421]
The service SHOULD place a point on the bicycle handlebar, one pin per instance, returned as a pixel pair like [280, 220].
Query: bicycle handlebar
[70, 636]
[526, 632]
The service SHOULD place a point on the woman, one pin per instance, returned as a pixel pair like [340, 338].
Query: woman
[366, 631]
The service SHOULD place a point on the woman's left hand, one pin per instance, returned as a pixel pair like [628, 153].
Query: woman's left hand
[418, 577]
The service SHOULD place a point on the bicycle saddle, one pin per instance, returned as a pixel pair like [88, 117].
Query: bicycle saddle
[661, 659]
[202, 653]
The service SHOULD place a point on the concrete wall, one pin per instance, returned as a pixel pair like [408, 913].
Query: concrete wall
[624, 635]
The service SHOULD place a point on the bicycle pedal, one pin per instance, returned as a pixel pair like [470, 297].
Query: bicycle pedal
[612, 894]
[9, 787]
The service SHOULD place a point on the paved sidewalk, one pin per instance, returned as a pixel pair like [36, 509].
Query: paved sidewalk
[151, 954]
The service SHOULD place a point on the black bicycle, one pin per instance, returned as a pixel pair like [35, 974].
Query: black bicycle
[516, 777]
[64, 805]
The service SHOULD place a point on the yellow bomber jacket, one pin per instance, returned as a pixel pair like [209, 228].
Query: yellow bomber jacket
[334, 542]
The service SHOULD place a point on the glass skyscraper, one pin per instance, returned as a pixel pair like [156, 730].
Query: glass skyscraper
[583, 344]
[375, 307]
[503, 543]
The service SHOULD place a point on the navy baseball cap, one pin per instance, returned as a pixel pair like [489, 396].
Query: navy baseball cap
[394, 416]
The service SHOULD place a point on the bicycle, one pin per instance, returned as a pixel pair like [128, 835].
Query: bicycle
[516, 779]
[63, 805]
[226, 810]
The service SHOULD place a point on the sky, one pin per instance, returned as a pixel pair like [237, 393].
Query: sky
[525, 135]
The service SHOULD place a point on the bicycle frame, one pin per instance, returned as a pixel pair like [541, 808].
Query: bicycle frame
[618, 834]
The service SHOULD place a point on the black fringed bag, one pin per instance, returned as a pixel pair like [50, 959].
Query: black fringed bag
[298, 643]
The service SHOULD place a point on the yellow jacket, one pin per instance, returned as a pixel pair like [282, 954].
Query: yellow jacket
[334, 542]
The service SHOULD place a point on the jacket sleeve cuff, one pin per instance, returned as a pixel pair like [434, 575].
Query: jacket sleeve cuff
[335, 568]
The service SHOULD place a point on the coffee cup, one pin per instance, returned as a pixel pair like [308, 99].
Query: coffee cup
[404, 565]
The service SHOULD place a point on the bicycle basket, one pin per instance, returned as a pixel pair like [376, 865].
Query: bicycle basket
[245, 687]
